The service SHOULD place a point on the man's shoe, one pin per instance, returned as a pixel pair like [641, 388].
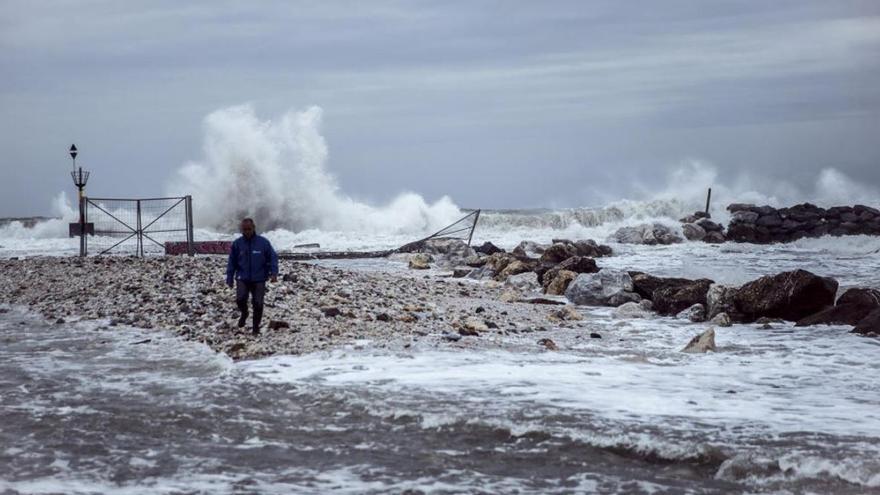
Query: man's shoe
[256, 331]
[242, 320]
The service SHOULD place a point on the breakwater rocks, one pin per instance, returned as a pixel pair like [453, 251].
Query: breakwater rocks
[765, 224]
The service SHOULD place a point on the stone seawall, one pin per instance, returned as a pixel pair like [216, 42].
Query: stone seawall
[765, 224]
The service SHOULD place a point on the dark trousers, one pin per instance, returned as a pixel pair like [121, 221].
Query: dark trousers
[254, 289]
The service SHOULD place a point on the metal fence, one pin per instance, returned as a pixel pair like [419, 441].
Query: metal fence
[138, 226]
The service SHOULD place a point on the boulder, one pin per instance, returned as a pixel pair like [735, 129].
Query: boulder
[528, 249]
[559, 252]
[704, 342]
[693, 232]
[523, 282]
[472, 326]
[714, 238]
[680, 294]
[853, 306]
[721, 320]
[420, 261]
[461, 271]
[710, 226]
[695, 217]
[560, 283]
[695, 313]
[645, 284]
[577, 264]
[744, 217]
[590, 248]
[719, 299]
[488, 248]
[565, 313]
[608, 287]
[515, 267]
[870, 324]
[649, 234]
[448, 248]
[631, 310]
[788, 295]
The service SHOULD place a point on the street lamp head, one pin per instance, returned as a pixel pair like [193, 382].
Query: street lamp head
[73, 151]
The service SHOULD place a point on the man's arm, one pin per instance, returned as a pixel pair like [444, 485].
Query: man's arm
[273, 263]
[230, 265]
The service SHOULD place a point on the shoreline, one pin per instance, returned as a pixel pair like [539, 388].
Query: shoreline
[311, 308]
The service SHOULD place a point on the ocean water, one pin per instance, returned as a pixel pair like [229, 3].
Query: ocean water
[88, 409]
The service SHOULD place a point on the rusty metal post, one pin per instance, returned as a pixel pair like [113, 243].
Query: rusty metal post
[708, 199]
[190, 239]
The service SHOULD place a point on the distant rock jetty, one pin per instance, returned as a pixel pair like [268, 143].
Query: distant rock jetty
[765, 224]
[759, 225]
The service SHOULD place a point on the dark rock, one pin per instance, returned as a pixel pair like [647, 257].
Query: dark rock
[278, 324]
[383, 317]
[549, 344]
[695, 217]
[714, 238]
[594, 335]
[331, 311]
[461, 272]
[870, 324]
[577, 264]
[853, 306]
[788, 295]
[559, 252]
[675, 297]
[590, 248]
[451, 337]
[289, 277]
[771, 220]
[693, 232]
[710, 226]
[488, 248]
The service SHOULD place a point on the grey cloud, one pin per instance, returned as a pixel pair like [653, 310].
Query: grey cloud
[499, 104]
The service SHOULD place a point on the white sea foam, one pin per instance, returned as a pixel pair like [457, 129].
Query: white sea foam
[276, 171]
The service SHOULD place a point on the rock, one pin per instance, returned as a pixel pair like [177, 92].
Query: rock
[695, 313]
[420, 261]
[719, 299]
[559, 252]
[704, 342]
[510, 295]
[721, 320]
[524, 282]
[278, 324]
[591, 249]
[645, 284]
[631, 310]
[676, 295]
[560, 283]
[851, 308]
[714, 238]
[609, 287]
[475, 261]
[788, 295]
[528, 249]
[461, 271]
[744, 217]
[289, 277]
[472, 326]
[448, 248]
[383, 317]
[488, 248]
[482, 273]
[869, 325]
[649, 234]
[566, 313]
[694, 217]
[577, 264]
[515, 267]
[331, 311]
[451, 337]
[710, 226]
[693, 232]
[594, 335]
[549, 344]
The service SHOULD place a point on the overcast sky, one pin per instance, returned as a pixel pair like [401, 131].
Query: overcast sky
[498, 104]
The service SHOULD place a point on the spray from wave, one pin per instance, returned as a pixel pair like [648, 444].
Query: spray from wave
[276, 172]
[56, 227]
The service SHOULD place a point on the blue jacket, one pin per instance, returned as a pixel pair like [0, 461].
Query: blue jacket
[251, 260]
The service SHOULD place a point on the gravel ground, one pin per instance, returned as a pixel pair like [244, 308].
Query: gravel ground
[310, 308]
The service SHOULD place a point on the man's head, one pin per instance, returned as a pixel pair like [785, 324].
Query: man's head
[248, 228]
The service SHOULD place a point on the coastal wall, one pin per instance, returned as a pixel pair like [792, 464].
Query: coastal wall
[765, 224]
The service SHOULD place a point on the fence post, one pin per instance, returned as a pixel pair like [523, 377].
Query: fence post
[190, 239]
[708, 198]
[85, 241]
[139, 249]
[473, 227]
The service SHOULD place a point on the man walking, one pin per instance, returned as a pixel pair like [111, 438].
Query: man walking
[252, 261]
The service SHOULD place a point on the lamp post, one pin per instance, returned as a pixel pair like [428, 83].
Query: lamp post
[80, 178]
